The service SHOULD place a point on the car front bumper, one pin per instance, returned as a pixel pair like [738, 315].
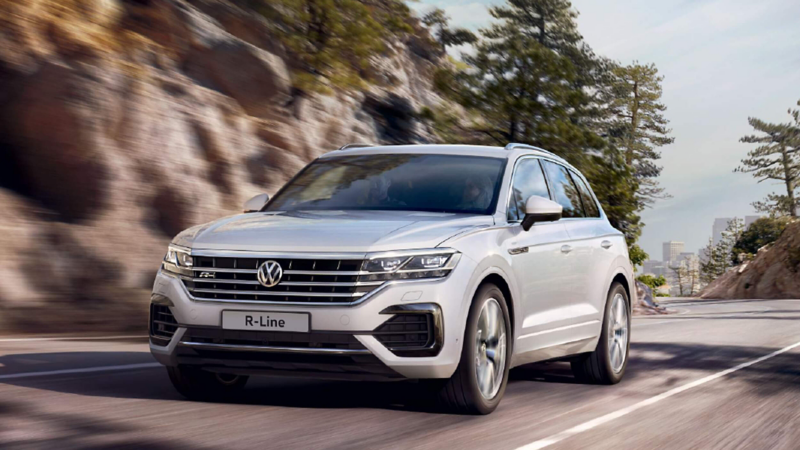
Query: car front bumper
[447, 299]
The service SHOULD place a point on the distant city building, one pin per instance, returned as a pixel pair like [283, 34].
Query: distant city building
[653, 267]
[671, 250]
[720, 225]
[749, 220]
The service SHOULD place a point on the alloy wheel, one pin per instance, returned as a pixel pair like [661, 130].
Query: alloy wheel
[618, 333]
[490, 349]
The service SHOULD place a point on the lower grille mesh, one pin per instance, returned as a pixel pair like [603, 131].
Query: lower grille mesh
[162, 324]
[405, 332]
[311, 340]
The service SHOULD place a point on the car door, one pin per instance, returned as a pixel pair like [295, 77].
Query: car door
[581, 308]
[539, 266]
[596, 239]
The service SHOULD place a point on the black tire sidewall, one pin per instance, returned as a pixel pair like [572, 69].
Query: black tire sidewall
[467, 365]
[602, 346]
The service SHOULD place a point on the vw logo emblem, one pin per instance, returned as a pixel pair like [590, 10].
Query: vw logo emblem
[270, 273]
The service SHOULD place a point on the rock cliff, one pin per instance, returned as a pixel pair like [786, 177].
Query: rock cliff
[773, 274]
[126, 121]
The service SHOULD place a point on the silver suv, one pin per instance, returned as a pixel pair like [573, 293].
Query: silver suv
[447, 264]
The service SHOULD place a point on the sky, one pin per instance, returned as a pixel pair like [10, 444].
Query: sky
[722, 61]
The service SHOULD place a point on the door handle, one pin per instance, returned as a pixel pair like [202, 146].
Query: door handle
[606, 244]
[566, 248]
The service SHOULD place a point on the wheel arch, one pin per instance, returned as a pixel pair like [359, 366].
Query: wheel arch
[621, 279]
[501, 283]
[623, 275]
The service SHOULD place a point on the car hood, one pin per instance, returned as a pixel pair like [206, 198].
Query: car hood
[329, 231]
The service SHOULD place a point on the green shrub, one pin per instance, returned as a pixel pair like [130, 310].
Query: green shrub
[762, 232]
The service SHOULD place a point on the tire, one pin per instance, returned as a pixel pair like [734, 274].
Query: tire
[197, 384]
[600, 367]
[462, 393]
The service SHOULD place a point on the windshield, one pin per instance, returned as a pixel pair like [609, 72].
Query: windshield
[437, 183]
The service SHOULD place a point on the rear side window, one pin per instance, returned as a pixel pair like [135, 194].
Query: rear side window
[589, 205]
[528, 180]
[565, 192]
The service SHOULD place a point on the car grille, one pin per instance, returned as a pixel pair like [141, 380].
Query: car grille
[310, 340]
[162, 324]
[406, 333]
[326, 281]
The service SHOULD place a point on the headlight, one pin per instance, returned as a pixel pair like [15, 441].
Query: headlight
[178, 260]
[427, 262]
[384, 264]
[410, 265]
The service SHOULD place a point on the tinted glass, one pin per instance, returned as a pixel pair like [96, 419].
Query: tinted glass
[437, 183]
[528, 180]
[589, 205]
[564, 191]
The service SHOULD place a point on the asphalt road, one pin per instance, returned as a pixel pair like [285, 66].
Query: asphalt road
[714, 375]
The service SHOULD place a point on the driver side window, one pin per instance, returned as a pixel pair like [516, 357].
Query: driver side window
[528, 180]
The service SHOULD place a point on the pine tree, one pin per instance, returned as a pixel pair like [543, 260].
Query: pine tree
[439, 22]
[332, 41]
[710, 267]
[638, 126]
[719, 258]
[777, 158]
[532, 79]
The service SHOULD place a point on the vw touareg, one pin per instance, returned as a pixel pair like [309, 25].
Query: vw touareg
[448, 264]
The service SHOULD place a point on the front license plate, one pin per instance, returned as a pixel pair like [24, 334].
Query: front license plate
[265, 321]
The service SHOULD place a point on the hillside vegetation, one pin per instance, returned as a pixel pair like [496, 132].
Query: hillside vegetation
[774, 272]
[126, 121]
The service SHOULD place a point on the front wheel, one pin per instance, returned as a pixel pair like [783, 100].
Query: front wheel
[607, 363]
[197, 384]
[480, 380]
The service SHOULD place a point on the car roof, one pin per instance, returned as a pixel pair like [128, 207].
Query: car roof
[512, 151]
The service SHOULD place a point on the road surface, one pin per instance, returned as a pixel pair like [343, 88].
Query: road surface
[714, 375]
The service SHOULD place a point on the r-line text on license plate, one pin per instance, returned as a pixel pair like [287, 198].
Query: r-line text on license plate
[267, 321]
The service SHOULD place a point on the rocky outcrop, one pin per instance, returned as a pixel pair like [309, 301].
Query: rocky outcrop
[124, 122]
[646, 303]
[773, 274]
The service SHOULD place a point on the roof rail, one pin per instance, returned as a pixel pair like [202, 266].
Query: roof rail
[515, 145]
[355, 145]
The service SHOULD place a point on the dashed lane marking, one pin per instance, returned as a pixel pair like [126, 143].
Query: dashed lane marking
[586, 426]
[12, 376]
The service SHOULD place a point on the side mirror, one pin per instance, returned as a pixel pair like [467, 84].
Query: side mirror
[540, 209]
[256, 203]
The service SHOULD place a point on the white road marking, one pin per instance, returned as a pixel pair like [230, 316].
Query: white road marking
[84, 370]
[72, 338]
[586, 426]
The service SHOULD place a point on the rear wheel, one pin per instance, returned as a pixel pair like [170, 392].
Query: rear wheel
[606, 365]
[480, 380]
[197, 384]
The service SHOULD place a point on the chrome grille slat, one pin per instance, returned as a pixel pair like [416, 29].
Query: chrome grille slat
[291, 283]
[305, 272]
[307, 279]
[323, 272]
[280, 293]
[218, 281]
[214, 269]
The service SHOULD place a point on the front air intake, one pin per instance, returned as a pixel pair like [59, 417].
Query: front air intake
[409, 331]
[416, 330]
[162, 324]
